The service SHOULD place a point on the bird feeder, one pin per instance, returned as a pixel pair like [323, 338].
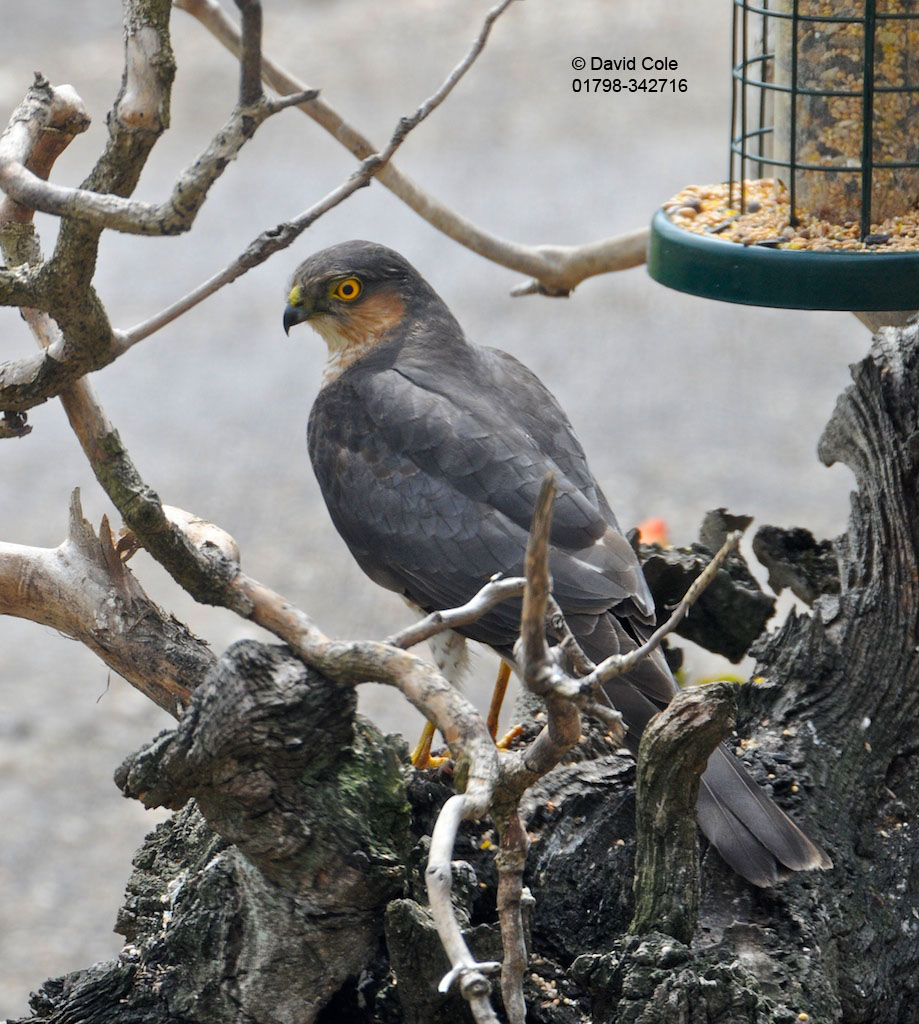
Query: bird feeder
[820, 209]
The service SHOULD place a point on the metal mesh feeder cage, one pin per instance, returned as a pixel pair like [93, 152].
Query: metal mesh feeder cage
[821, 206]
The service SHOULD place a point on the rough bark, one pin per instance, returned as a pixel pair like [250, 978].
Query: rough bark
[290, 887]
[675, 748]
[733, 610]
[266, 892]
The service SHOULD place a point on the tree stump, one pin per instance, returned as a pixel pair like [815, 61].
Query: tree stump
[265, 899]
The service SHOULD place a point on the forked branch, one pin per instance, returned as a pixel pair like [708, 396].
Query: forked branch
[554, 269]
[617, 665]
[465, 970]
[374, 163]
[84, 590]
[132, 216]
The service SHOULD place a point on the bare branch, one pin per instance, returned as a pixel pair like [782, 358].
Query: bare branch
[439, 879]
[142, 105]
[510, 861]
[555, 269]
[609, 716]
[540, 669]
[493, 593]
[41, 129]
[62, 286]
[536, 661]
[250, 61]
[32, 380]
[269, 242]
[139, 116]
[619, 664]
[172, 217]
[576, 661]
[18, 287]
[83, 589]
[295, 99]
[566, 266]
[541, 672]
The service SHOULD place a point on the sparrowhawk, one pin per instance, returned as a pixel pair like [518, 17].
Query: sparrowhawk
[430, 452]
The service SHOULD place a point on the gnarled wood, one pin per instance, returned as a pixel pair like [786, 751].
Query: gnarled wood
[674, 751]
[83, 589]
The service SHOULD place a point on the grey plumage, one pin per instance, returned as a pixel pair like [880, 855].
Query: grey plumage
[430, 452]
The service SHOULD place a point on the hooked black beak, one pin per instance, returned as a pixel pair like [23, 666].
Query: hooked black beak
[294, 315]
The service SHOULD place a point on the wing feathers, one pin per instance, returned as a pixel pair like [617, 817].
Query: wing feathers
[430, 468]
[431, 478]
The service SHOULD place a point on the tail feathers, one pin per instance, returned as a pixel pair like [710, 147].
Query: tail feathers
[754, 836]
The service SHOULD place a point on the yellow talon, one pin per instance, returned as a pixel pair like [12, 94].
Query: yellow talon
[421, 756]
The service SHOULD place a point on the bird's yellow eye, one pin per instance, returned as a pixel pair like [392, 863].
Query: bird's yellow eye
[347, 290]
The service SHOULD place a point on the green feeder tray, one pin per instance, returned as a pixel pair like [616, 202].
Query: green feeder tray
[792, 279]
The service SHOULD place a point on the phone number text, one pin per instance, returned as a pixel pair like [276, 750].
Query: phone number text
[661, 85]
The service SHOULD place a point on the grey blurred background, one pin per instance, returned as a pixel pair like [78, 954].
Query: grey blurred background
[682, 404]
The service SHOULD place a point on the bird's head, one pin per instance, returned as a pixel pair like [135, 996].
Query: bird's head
[353, 294]
[358, 295]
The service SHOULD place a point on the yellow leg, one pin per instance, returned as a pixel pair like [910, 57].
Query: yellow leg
[421, 755]
[497, 698]
[422, 758]
[508, 738]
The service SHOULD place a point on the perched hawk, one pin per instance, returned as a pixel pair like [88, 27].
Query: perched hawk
[430, 452]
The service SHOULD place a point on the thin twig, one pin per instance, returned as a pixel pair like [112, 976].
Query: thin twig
[576, 661]
[453, 78]
[250, 61]
[535, 652]
[609, 716]
[540, 668]
[555, 269]
[510, 861]
[294, 100]
[617, 665]
[492, 594]
[439, 880]
[260, 249]
[132, 216]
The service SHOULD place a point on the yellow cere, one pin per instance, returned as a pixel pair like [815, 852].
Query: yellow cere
[295, 297]
[347, 290]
